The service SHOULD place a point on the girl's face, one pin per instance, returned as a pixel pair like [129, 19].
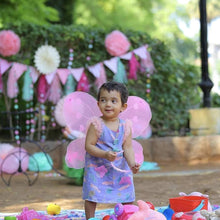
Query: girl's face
[110, 104]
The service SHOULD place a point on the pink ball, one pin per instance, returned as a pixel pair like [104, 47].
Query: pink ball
[9, 43]
[116, 43]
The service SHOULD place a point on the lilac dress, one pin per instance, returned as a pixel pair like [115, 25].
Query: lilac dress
[104, 183]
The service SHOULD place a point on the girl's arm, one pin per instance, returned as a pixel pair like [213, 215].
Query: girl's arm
[129, 154]
[91, 140]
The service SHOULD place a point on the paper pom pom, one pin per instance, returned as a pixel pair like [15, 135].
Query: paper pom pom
[9, 43]
[47, 59]
[116, 43]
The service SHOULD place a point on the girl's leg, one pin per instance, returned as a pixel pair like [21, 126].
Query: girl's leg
[90, 209]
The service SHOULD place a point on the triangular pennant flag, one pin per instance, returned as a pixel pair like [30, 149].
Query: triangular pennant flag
[102, 78]
[63, 74]
[77, 73]
[95, 70]
[42, 88]
[27, 89]
[126, 56]
[112, 64]
[34, 74]
[133, 67]
[1, 84]
[120, 76]
[83, 84]
[70, 85]
[4, 65]
[18, 69]
[147, 64]
[54, 93]
[50, 77]
[141, 52]
[12, 86]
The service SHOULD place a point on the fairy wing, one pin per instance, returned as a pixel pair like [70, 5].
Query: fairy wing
[139, 113]
[75, 154]
[78, 108]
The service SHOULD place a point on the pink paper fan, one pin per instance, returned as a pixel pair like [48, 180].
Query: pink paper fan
[9, 43]
[116, 43]
[138, 111]
[138, 151]
[11, 162]
[75, 155]
[78, 107]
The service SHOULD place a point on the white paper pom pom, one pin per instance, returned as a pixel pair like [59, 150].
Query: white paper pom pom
[47, 59]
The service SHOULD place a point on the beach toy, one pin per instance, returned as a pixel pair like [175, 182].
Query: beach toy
[197, 194]
[144, 212]
[10, 218]
[188, 203]
[168, 213]
[150, 205]
[123, 212]
[212, 215]
[27, 214]
[107, 217]
[53, 209]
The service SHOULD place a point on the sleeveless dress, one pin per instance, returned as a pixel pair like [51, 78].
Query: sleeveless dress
[104, 183]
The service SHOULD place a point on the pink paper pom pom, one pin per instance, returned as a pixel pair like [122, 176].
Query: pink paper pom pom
[116, 43]
[9, 43]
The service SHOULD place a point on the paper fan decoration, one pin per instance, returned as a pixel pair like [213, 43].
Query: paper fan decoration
[47, 59]
[116, 43]
[9, 43]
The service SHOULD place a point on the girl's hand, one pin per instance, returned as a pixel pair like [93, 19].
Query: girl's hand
[135, 168]
[110, 155]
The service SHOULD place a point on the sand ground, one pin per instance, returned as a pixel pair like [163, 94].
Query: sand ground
[154, 186]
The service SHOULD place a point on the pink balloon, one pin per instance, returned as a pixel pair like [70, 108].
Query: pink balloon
[75, 155]
[138, 111]
[15, 157]
[78, 108]
[138, 152]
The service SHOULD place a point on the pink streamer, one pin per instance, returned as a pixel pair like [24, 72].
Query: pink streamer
[147, 64]
[42, 88]
[102, 78]
[55, 90]
[83, 84]
[12, 87]
[133, 67]
[4, 65]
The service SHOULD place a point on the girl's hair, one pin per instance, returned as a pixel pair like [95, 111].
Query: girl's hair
[115, 86]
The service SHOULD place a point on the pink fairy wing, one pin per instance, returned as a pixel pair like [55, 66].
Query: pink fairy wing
[78, 108]
[138, 111]
[75, 154]
[138, 152]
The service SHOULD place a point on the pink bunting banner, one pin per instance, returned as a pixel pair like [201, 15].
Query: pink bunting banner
[54, 93]
[18, 69]
[133, 67]
[126, 56]
[95, 70]
[141, 52]
[50, 77]
[83, 84]
[112, 64]
[63, 75]
[102, 78]
[12, 87]
[77, 73]
[4, 65]
[34, 74]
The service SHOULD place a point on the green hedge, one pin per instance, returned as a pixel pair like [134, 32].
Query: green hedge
[174, 87]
